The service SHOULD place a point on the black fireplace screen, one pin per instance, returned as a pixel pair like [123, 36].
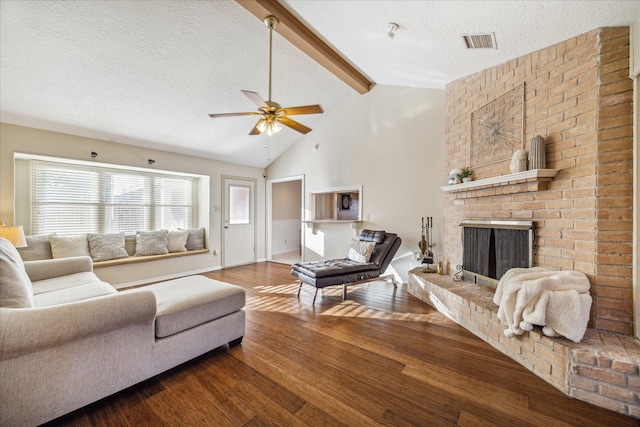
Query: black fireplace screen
[490, 251]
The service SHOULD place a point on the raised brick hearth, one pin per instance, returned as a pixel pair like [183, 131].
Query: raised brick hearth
[602, 369]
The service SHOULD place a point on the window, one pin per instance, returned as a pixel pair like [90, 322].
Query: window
[239, 204]
[70, 198]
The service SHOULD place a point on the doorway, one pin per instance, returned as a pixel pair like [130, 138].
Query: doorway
[239, 221]
[285, 207]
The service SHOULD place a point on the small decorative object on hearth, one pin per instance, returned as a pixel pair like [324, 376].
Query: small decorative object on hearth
[458, 275]
[537, 158]
[519, 161]
[465, 175]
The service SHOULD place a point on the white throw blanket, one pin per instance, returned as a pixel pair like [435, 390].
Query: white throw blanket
[559, 301]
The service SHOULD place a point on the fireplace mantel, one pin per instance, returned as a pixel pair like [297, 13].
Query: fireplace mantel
[535, 175]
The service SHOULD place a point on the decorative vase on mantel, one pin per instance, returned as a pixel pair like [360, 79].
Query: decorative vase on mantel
[518, 161]
[537, 158]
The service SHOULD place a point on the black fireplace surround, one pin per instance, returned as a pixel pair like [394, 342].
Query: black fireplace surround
[490, 248]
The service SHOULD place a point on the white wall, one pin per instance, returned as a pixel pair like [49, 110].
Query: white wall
[286, 219]
[35, 141]
[285, 236]
[390, 141]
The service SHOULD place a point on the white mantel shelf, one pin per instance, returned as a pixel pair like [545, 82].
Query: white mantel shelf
[530, 175]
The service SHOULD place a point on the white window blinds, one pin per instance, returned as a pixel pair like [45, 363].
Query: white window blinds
[69, 199]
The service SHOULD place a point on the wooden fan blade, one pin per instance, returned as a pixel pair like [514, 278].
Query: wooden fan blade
[293, 124]
[255, 130]
[255, 98]
[305, 109]
[252, 113]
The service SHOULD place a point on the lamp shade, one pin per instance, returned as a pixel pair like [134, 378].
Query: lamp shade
[15, 235]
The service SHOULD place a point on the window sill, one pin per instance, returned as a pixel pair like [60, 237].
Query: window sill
[138, 259]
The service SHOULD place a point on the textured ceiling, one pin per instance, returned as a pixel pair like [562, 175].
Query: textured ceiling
[148, 72]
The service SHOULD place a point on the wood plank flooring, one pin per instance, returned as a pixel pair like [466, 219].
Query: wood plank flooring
[382, 357]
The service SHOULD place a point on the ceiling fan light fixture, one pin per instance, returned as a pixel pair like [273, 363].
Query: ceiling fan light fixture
[269, 126]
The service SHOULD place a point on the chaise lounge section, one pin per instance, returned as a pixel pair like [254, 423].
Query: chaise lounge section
[366, 259]
[68, 339]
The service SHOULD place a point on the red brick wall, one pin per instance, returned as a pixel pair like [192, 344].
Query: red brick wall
[579, 98]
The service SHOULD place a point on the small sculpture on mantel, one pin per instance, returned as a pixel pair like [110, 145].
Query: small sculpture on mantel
[518, 161]
[537, 159]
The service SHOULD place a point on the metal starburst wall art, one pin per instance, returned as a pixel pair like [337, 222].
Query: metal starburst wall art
[497, 129]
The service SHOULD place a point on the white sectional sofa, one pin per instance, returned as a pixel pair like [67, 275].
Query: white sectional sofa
[68, 339]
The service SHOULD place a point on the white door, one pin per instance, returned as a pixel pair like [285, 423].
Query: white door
[239, 226]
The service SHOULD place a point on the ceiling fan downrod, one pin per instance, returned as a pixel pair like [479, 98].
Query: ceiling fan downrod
[272, 114]
[271, 22]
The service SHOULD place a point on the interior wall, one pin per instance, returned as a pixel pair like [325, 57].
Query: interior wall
[390, 141]
[286, 217]
[286, 197]
[40, 142]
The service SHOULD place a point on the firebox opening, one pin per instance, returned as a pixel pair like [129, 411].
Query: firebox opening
[491, 248]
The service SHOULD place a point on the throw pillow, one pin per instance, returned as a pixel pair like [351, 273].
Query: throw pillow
[151, 243]
[16, 290]
[106, 246]
[359, 251]
[177, 241]
[196, 239]
[38, 247]
[68, 246]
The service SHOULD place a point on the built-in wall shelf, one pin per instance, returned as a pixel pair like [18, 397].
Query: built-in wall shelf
[534, 175]
[313, 224]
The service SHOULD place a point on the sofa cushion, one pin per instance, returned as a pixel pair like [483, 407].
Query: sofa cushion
[389, 245]
[376, 236]
[38, 247]
[66, 281]
[321, 282]
[177, 241]
[104, 247]
[191, 301]
[151, 243]
[16, 290]
[195, 241]
[73, 294]
[68, 246]
[332, 267]
[359, 251]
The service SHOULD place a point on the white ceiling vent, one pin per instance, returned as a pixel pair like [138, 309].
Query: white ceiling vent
[480, 41]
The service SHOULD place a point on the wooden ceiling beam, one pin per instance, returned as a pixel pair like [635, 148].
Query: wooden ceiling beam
[292, 29]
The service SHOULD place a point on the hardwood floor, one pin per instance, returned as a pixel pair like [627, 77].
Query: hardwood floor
[380, 358]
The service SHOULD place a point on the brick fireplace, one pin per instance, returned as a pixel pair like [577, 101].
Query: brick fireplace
[578, 96]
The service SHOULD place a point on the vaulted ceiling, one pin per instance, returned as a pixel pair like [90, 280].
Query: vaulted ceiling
[148, 73]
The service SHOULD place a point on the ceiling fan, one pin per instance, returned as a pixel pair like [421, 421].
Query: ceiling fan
[272, 113]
